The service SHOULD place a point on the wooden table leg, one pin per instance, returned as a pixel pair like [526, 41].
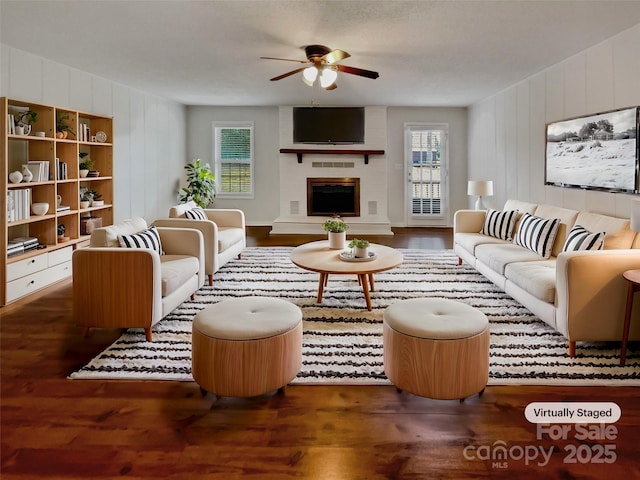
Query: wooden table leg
[627, 324]
[321, 284]
[372, 286]
[365, 288]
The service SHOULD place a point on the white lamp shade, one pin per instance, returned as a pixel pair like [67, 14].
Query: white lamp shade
[481, 188]
[635, 215]
[327, 77]
[309, 75]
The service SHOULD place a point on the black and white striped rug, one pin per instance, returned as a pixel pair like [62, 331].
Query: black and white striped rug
[342, 341]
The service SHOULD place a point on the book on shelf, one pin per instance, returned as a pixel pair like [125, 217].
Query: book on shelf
[11, 124]
[27, 243]
[18, 204]
[61, 170]
[63, 208]
[14, 249]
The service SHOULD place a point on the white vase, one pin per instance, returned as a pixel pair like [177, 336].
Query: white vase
[84, 173]
[84, 204]
[15, 177]
[337, 240]
[27, 176]
[360, 252]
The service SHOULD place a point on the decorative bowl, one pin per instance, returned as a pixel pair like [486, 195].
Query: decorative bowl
[40, 208]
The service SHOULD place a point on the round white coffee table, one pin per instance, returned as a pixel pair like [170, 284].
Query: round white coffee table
[318, 257]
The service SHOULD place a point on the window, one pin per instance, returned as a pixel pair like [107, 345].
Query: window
[233, 153]
[426, 163]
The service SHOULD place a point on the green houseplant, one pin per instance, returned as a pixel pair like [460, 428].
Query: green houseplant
[62, 129]
[86, 164]
[201, 184]
[24, 120]
[335, 225]
[360, 247]
[337, 232]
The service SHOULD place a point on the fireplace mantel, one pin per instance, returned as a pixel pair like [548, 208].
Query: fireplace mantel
[300, 151]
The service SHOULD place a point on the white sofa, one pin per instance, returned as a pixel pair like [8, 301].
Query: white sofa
[223, 231]
[581, 294]
[116, 287]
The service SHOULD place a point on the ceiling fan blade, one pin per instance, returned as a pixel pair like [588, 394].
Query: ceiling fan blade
[335, 56]
[333, 86]
[285, 59]
[358, 71]
[288, 74]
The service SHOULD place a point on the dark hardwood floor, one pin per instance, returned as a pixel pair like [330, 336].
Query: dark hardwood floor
[52, 427]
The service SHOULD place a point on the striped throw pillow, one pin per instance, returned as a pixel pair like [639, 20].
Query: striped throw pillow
[196, 213]
[580, 238]
[537, 234]
[149, 239]
[499, 224]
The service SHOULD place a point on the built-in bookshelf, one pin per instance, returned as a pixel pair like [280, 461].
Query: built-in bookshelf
[54, 141]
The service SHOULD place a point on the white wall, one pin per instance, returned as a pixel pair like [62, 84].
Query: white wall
[263, 208]
[149, 131]
[507, 131]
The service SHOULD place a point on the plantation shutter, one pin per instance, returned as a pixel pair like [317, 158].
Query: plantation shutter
[234, 159]
[425, 168]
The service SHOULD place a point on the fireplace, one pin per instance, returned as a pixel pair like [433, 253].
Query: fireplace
[333, 196]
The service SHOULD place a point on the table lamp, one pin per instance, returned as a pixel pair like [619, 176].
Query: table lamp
[480, 188]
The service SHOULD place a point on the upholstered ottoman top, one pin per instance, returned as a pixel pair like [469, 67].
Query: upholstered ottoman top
[433, 318]
[248, 318]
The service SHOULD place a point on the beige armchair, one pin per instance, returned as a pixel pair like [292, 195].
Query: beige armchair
[223, 231]
[116, 287]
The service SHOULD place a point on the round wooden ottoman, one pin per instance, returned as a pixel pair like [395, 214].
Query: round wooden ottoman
[244, 347]
[436, 348]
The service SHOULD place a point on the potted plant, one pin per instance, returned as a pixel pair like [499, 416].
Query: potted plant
[337, 232]
[86, 196]
[360, 247]
[62, 129]
[24, 121]
[201, 184]
[86, 164]
[95, 199]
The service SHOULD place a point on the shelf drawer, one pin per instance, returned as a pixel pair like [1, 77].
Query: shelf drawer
[26, 267]
[31, 283]
[60, 256]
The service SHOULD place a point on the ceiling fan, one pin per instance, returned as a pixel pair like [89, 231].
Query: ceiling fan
[323, 66]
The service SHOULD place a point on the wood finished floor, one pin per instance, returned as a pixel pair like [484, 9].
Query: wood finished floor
[56, 428]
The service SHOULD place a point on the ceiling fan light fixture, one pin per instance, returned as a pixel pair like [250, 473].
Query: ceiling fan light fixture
[328, 77]
[309, 75]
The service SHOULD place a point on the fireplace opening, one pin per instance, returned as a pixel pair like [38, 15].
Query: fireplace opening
[333, 196]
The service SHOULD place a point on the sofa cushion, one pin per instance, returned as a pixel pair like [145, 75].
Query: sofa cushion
[537, 234]
[108, 236]
[176, 270]
[522, 207]
[618, 231]
[537, 278]
[580, 238]
[196, 213]
[229, 236]
[498, 256]
[148, 239]
[469, 241]
[499, 224]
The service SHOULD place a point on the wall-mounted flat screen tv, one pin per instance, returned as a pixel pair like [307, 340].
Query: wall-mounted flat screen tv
[328, 125]
[599, 152]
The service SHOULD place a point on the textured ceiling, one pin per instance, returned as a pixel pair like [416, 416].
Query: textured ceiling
[428, 53]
